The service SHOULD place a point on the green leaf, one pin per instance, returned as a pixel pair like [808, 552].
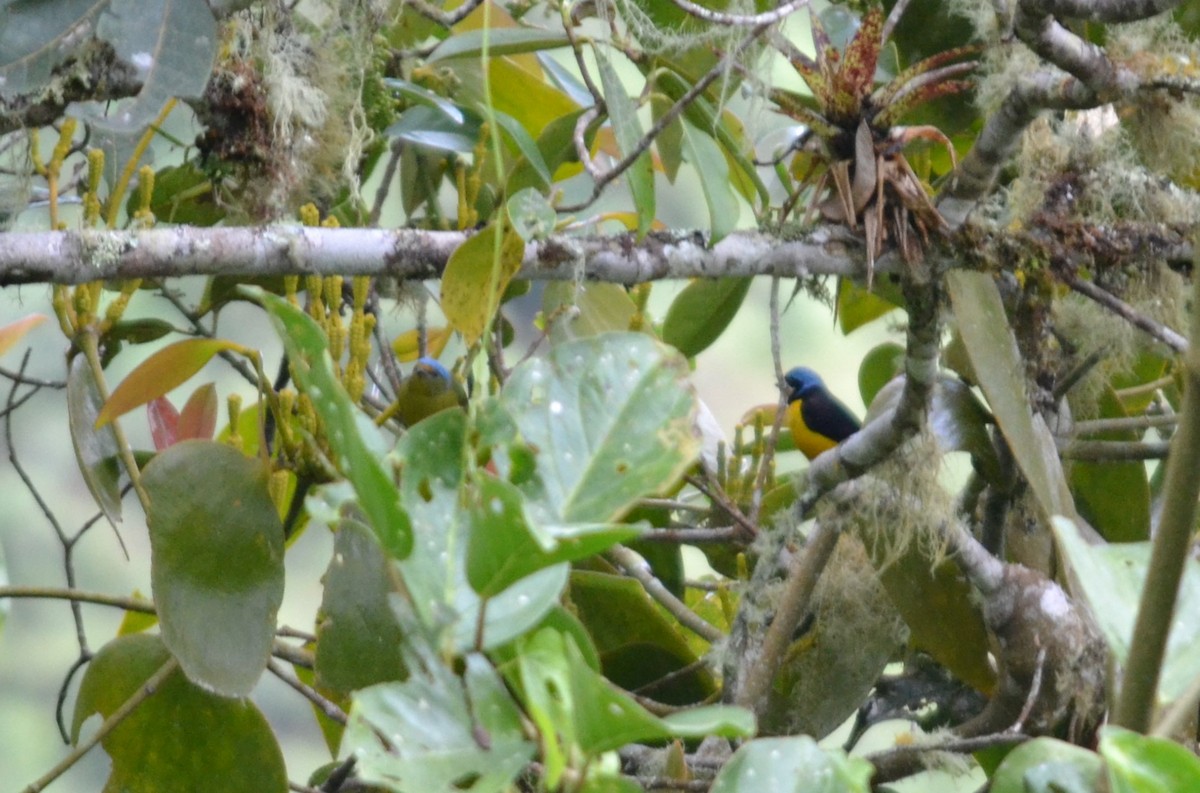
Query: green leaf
[701, 313]
[180, 734]
[588, 309]
[610, 419]
[475, 279]
[556, 143]
[435, 575]
[183, 194]
[500, 41]
[878, 368]
[95, 448]
[531, 214]
[996, 362]
[139, 331]
[526, 145]
[354, 438]
[174, 44]
[572, 703]
[1143, 764]
[358, 636]
[423, 96]
[37, 36]
[713, 170]
[440, 733]
[167, 368]
[792, 764]
[1111, 578]
[627, 129]
[856, 306]
[1047, 765]
[425, 126]
[504, 548]
[216, 562]
[1113, 496]
[638, 643]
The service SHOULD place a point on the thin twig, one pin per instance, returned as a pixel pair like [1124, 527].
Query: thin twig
[329, 708]
[1112, 451]
[636, 568]
[694, 536]
[664, 121]
[742, 20]
[1158, 330]
[119, 715]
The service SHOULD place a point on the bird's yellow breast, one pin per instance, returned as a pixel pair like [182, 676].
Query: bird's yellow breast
[807, 441]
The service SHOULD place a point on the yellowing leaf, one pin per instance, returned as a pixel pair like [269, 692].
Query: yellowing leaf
[160, 373]
[11, 333]
[407, 345]
[475, 279]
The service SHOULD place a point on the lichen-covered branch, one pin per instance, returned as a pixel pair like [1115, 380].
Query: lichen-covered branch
[82, 256]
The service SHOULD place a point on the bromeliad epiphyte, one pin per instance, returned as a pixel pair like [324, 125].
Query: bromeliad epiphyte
[852, 154]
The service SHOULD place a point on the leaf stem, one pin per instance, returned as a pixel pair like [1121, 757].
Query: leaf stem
[1169, 552]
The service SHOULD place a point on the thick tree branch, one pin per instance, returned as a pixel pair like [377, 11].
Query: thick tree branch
[82, 256]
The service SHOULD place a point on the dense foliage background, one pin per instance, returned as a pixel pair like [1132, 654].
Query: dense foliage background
[418, 369]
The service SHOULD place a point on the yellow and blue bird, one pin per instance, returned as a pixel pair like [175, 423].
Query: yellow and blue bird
[816, 418]
[429, 389]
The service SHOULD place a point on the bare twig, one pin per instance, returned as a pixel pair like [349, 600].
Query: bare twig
[635, 567]
[119, 715]
[1158, 330]
[329, 708]
[777, 14]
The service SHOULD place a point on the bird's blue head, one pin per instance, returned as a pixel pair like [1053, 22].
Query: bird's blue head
[804, 382]
[431, 368]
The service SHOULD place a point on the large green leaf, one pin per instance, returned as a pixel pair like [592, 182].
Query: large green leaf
[1113, 496]
[1111, 577]
[504, 547]
[627, 129]
[638, 644]
[353, 437]
[476, 275]
[1143, 764]
[440, 733]
[580, 310]
[358, 636]
[174, 44]
[713, 170]
[181, 737]
[610, 420]
[792, 765]
[435, 575]
[702, 311]
[95, 448]
[1047, 765]
[577, 710]
[996, 362]
[500, 41]
[216, 562]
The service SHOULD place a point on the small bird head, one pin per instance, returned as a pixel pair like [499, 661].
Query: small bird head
[803, 381]
[431, 369]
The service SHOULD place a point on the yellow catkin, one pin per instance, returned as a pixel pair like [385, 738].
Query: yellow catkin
[91, 199]
[35, 153]
[277, 488]
[233, 406]
[143, 216]
[291, 285]
[316, 305]
[310, 215]
[116, 309]
[63, 147]
[60, 301]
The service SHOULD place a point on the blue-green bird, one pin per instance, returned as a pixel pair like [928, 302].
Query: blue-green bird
[816, 418]
[428, 389]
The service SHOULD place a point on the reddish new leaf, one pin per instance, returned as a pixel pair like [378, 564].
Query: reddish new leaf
[164, 422]
[160, 373]
[198, 419]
